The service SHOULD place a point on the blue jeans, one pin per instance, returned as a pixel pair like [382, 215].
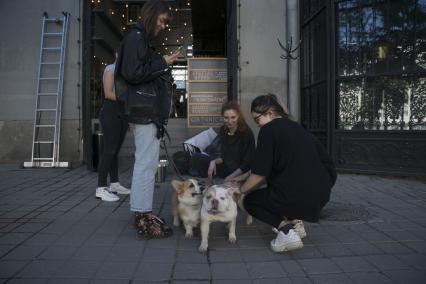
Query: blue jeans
[146, 162]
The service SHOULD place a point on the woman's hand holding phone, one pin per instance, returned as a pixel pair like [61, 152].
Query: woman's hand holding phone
[172, 58]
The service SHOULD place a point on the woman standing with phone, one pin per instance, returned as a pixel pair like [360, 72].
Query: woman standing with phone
[139, 65]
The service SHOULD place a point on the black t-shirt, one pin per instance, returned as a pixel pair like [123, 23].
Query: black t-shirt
[298, 175]
[237, 150]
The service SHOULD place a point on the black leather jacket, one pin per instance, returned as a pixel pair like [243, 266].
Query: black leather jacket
[137, 66]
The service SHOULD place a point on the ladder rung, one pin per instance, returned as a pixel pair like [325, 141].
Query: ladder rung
[43, 142]
[51, 63]
[53, 20]
[46, 109]
[41, 159]
[45, 125]
[50, 78]
[51, 48]
[53, 34]
[47, 94]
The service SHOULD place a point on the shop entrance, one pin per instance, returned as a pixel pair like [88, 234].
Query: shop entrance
[199, 27]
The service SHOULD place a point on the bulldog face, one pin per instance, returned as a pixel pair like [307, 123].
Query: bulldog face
[217, 199]
[188, 191]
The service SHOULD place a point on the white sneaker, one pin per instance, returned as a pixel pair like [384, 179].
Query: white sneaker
[116, 187]
[286, 242]
[300, 229]
[103, 194]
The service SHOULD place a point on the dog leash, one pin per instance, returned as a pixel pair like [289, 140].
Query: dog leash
[176, 170]
[163, 141]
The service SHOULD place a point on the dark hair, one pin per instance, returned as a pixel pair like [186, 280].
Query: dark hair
[149, 14]
[269, 102]
[241, 123]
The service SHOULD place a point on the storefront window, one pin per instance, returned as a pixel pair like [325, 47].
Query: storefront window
[381, 64]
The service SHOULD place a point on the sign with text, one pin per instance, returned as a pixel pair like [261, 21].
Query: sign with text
[207, 89]
[208, 75]
[205, 109]
[205, 121]
[206, 98]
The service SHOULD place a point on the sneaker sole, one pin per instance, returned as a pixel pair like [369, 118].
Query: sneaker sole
[288, 247]
[145, 237]
[122, 193]
[97, 197]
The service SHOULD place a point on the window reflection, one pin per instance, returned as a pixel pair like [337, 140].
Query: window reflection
[381, 64]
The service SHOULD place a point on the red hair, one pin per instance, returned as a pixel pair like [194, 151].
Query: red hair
[235, 106]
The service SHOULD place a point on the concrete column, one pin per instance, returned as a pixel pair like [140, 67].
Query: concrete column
[261, 69]
[293, 28]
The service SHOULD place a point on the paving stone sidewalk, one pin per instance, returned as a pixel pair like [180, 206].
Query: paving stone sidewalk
[53, 230]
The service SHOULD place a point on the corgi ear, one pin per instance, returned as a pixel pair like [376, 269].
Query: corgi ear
[177, 185]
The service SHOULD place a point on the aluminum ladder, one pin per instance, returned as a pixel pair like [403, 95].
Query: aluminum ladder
[48, 106]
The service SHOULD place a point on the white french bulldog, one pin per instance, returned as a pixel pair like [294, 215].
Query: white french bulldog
[218, 206]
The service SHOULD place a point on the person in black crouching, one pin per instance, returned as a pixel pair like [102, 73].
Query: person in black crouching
[298, 173]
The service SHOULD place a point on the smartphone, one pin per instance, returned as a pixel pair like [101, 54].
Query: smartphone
[177, 49]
